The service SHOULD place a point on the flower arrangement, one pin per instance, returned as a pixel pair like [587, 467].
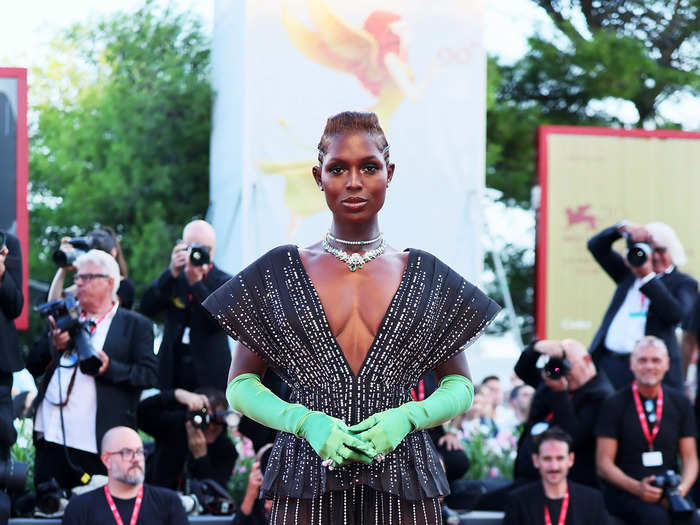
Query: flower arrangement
[238, 482]
[489, 457]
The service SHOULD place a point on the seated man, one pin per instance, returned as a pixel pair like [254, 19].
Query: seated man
[125, 499]
[571, 402]
[183, 448]
[554, 499]
[642, 430]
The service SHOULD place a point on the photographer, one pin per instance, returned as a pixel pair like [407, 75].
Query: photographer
[11, 302]
[195, 351]
[569, 395]
[651, 298]
[187, 446]
[77, 404]
[103, 239]
[642, 430]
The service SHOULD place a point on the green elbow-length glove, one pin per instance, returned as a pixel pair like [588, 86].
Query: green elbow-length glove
[385, 430]
[328, 436]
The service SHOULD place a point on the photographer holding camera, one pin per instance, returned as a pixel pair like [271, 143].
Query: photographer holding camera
[95, 361]
[651, 298]
[642, 430]
[72, 247]
[189, 429]
[570, 393]
[11, 302]
[195, 351]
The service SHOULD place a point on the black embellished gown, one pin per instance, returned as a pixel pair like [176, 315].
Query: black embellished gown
[273, 309]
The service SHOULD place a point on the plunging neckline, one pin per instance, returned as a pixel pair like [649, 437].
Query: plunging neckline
[382, 323]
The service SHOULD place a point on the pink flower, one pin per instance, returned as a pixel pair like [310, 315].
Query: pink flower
[494, 472]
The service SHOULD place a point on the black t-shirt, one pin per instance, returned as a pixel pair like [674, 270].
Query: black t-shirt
[159, 507]
[619, 420]
[554, 507]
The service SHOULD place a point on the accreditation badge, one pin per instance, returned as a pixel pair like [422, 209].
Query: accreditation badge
[653, 458]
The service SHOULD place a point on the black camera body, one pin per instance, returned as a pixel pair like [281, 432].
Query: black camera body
[66, 258]
[199, 254]
[203, 418]
[200, 418]
[678, 506]
[557, 367]
[637, 252]
[66, 314]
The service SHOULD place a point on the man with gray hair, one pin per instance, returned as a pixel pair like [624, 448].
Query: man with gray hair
[75, 409]
[125, 498]
[642, 431]
[652, 297]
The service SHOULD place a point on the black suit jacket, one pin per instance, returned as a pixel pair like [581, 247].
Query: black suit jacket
[132, 368]
[670, 296]
[11, 302]
[209, 344]
[526, 506]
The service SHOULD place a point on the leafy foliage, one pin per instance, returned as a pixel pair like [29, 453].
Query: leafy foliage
[121, 136]
[639, 51]
[642, 51]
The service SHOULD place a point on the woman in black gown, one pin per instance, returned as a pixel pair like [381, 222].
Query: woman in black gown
[351, 325]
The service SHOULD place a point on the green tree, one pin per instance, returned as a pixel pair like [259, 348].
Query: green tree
[643, 52]
[121, 136]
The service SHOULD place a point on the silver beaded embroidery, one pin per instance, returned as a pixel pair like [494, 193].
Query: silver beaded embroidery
[273, 308]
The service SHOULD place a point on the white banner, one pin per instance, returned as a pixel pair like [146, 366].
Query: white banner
[281, 68]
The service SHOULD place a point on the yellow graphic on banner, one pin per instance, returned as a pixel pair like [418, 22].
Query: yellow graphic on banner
[373, 54]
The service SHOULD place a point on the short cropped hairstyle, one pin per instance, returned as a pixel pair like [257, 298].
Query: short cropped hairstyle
[665, 236]
[353, 121]
[551, 434]
[106, 262]
[650, 340]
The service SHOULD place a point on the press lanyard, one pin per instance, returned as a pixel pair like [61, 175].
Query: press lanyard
[643, 419]
[99, 320]
[562, 512]
[420, 396]
[134, 513]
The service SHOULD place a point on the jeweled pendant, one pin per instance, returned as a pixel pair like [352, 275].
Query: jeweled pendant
[352, 267]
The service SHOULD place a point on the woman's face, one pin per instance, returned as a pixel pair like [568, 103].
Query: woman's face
[354, 176]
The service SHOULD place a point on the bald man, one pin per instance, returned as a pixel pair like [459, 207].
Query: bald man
[571, 402]
[194, 352]
[125, 499]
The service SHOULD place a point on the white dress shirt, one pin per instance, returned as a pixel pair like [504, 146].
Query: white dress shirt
[629, 324]
[80, 412]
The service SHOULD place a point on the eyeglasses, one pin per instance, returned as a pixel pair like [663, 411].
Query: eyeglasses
[128, 454]
[87, 277]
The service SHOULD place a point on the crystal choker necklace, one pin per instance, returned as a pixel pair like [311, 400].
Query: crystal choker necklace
[354, 260]
[330, 236]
